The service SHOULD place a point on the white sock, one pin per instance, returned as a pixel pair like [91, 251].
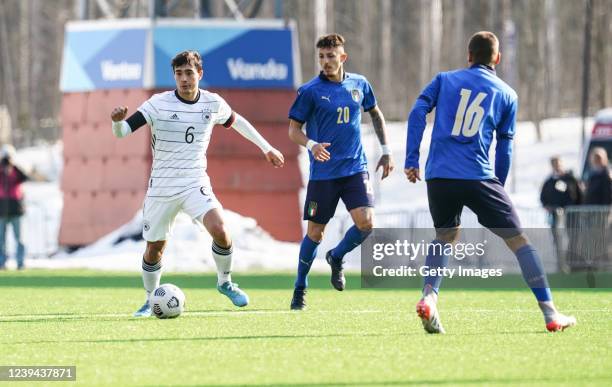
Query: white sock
[151, 275]
[548, 310]
[223, 259]
[429, 294]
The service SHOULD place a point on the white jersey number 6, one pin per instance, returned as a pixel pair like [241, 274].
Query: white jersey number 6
[468, 122]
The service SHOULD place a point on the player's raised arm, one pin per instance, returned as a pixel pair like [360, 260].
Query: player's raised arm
[386, 160]
[297, 136]
[123, 127]
[244, 127]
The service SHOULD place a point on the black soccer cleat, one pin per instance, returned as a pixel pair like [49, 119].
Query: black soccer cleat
[298, 302]
[337, 274]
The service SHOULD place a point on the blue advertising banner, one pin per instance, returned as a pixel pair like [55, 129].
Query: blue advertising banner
[137, 53]
[103, 58]
[233, 57]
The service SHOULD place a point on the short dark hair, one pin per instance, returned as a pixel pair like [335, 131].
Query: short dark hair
[187, 57]
[330, 41]
[484, 47]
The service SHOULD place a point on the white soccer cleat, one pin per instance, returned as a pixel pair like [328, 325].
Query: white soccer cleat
[560, 322]
[430, 318]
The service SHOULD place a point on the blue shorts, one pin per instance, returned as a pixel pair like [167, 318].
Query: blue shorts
[486, 198]
[322, 196]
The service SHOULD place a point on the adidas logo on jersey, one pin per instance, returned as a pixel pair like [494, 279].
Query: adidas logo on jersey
[174, 117]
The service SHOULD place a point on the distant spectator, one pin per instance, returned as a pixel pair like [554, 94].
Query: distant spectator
[11, 203]
[560, 190]
[599, 184]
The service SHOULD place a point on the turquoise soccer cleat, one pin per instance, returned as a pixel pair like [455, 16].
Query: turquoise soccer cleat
[144, 311]
[233, 292]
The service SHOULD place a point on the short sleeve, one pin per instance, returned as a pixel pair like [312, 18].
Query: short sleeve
[302, 106]
[149, 111]
[369, 99]
[224, 116]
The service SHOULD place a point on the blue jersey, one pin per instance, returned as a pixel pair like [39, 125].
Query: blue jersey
[332, 113]
[471, 104]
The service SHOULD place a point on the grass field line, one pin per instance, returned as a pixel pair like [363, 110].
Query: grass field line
[242, 313]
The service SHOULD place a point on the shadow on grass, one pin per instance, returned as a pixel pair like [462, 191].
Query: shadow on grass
[216, 338]
[68, 317]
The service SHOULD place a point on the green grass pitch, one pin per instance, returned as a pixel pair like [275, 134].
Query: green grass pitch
[353, 338]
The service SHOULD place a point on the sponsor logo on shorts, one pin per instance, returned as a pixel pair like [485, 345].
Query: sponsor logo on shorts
[368, 187]
[312, 209]
[202, 191]
[146, 225]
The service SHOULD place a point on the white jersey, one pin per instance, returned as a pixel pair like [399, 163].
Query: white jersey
[180, 134]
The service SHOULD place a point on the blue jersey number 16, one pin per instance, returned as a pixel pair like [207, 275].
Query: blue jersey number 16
[468, 122]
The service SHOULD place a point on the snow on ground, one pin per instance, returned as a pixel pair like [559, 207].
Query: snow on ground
[189, 248]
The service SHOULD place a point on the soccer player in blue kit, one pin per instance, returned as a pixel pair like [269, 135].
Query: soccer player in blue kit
[471, 104]
[330, 106]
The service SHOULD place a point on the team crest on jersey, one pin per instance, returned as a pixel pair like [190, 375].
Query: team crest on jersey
[146, 225]
[206, 115]
[356, 95]
[312, 209]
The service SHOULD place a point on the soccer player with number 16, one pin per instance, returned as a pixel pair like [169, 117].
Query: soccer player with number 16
[471, 104]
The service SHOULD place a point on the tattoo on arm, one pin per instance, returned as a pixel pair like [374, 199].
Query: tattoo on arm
[378, 121]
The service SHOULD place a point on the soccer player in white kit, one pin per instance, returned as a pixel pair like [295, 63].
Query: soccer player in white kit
[181, 123]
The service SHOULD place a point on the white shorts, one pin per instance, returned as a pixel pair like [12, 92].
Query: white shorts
[158, 216]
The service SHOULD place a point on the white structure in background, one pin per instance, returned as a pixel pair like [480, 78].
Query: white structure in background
[5, 125]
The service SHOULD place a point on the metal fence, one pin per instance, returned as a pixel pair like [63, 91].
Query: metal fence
[583, 239]
[39, 230]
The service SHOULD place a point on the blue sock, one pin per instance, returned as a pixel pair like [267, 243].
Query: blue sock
[435, 258]
[308, 252]
[352, 239]
[533, 272]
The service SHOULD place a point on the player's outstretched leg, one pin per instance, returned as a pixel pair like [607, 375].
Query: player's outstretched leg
[335, 257]
[225, 286]
[426, 308]
[308, 252]
[534, 275]
[151, 275]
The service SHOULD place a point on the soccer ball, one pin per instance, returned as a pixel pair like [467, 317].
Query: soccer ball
[167, 301]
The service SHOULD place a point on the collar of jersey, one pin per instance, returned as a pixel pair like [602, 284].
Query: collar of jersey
[184, 100]
[324, 78]
[484, 67]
